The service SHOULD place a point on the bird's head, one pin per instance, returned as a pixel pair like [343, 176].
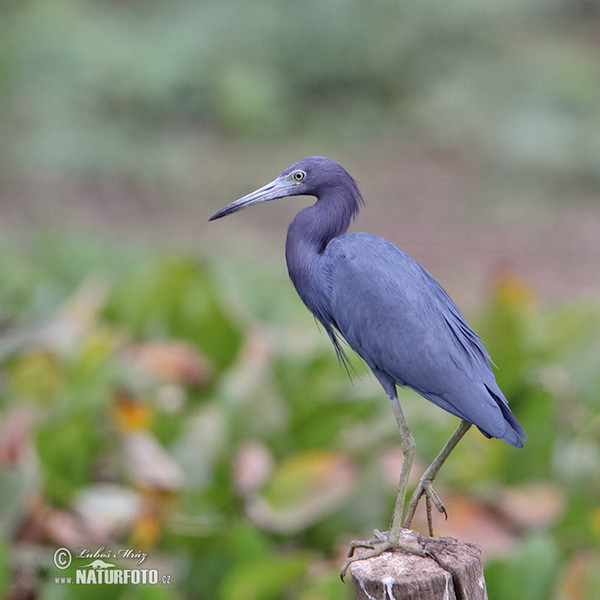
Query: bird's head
[309, 176]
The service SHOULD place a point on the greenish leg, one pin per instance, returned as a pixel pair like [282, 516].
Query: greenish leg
[425, 487]
[391, 541]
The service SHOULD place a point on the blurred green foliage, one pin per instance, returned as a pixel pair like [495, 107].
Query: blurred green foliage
[282, 455]
[119, 89]
[180, 299]
[200, 395]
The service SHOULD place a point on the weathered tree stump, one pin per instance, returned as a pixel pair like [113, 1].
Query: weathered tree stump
[454, 573]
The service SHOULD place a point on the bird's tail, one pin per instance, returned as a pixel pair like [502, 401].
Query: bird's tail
[514, 433]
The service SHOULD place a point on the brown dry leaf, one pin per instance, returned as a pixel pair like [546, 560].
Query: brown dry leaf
[77, 316]
[574, 578]
[67, 529]
[392, 459]
[530, 506]
[302, 490]
[469, 520]
[256, 350]
[172, 361]
[15, 437]
[252, 467]
[149, 464]
[65, 330]
[252, 366]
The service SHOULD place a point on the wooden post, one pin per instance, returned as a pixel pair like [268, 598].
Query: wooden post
[455, 572]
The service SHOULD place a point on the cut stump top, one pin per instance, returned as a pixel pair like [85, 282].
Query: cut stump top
[455, 572]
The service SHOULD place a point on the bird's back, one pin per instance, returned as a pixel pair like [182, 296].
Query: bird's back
[394, 314]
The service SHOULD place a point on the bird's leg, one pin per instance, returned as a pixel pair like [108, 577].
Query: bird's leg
[425, 487]
[391, 540]
[408, 456]
[429, 515]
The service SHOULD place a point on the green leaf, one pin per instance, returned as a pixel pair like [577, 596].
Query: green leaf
[266, 579]
[5, 568]
[529, 573]
[177, 297]
[67, 450]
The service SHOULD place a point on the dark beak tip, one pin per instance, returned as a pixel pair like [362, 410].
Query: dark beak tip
[261, 195]
[218, 215]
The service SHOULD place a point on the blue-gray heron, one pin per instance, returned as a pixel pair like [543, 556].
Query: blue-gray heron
[394, 315]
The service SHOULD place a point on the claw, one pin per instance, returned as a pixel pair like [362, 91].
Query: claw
[425, 489]
[442, 509]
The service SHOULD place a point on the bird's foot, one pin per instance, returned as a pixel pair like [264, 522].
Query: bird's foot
[379, 544]
[425, 488]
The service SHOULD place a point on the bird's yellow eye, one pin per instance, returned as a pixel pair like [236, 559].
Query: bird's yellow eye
[299, 175]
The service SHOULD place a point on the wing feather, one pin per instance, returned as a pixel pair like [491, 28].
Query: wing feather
[394, 314]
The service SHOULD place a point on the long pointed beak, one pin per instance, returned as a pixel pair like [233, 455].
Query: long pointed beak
[278, 188]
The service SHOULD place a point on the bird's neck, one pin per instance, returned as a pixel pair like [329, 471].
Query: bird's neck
[313, 228]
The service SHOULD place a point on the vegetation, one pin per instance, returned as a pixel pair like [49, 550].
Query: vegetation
[187, 408]
[105, 88]
[160, 412]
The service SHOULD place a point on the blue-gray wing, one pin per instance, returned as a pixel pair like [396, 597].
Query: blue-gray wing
[394, 314]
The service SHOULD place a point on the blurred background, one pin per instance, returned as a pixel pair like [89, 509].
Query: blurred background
[162, 388]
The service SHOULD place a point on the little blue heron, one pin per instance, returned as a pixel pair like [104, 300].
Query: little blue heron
[394, 315]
